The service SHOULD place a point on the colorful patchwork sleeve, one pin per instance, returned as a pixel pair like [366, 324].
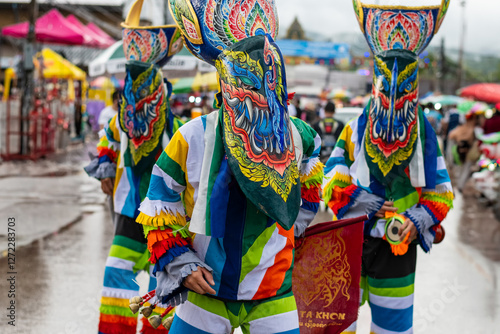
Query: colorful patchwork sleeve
[163, 216]
[104, 165]
[346, 199]
[311, 177]
[433, 206]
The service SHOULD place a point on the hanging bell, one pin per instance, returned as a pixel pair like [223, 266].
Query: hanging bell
[167, 322]
[135, 300]
[147, 311]
[155, 321]
[134, 308]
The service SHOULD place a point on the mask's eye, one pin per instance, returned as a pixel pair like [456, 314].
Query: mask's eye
[245, 83]
[409, 87]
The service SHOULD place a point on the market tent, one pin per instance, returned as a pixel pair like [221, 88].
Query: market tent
[112, 60]
[183, 85]
[98, 31]
[55, 66]
[91, 38]
[49, 28]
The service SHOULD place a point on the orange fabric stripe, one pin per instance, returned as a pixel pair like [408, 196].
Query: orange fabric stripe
[115, 319]
[275, 275]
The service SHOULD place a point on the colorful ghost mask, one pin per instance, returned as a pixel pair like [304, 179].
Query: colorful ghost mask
[144, 112]
[257, 128]
[210, 26]
[396, 36]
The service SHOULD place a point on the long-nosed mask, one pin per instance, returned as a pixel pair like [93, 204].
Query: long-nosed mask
[392, 126]
[257, 128]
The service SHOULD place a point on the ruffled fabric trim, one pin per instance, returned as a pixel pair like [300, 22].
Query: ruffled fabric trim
[314, 175]
[168, 236]
[160, 248]
[338, 180]
[100, 170]
[311, 194]
[342, 199]
[173, 229]
[169, 287]
[168, 257]
[155, 208]
[130, 320]
[105, 151]
[163, 219]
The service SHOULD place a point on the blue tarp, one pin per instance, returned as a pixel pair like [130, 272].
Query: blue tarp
[315, 50]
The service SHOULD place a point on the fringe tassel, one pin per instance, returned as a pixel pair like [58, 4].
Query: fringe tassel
[163, 219]
[168, 238]
[116, 319]
[168, 256]
[116, 328]
[311, 194]
[164, 246]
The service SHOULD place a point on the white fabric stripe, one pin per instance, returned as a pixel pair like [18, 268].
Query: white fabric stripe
[122, 192]
[203, 319]
[154, 208]
[359, 170]
[168, 180]
[440, 188]
[393, 303]
[338, 152]
[123, 146]
[354, 137]
[197, 224]
[377, 330]
[299, 147]
[119, 293]
[417, 168]
[200, 244]
[276, 323]
[317, 142]
[195, 154]
[115, 262]
[251, 283]
[441, 164]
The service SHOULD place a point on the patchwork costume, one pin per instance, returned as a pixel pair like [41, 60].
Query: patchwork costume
[127, 151]
[390, 153]
[232, 188]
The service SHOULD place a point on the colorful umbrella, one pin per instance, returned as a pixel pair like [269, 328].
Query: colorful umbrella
[472, 107]
[485, 92]
[49, 28]
[444, 100]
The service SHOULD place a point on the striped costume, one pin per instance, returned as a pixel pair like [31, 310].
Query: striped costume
[128, 254]
[250, 255]
[422, 193]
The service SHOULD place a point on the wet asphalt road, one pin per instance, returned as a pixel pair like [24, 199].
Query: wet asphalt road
[59, 278]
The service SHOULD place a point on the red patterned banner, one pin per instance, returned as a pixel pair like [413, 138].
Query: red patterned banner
[326, 276]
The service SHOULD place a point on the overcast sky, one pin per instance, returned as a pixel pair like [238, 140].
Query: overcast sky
[334, 16]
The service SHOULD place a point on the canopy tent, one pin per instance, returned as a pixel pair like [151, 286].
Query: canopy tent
[98, 31]
[49, 28]
[198, 83]
[55, 66]
[444, 100]
[91, 37]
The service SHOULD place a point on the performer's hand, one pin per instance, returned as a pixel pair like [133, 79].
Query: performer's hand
[197, 281]
[107, 186]
[408, 227]
[388, 206]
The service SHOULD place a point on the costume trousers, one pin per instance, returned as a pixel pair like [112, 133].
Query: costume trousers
[387, 283]
[203, 314]
[127, 257]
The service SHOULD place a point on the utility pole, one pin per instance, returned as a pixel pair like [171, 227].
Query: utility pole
[461, 70]
[440, 74]
[28, 79]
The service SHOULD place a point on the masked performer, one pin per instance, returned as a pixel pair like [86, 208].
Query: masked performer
[133, 141]
[387, 161]
[244, 178]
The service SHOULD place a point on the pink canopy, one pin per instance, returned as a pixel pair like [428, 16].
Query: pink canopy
[109, 40]
[49, 28]
[92, 38]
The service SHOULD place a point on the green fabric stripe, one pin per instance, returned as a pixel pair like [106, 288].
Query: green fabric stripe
[272, 307]
[133, 245]
[407, 202]
[393, 292]
[183, 230]
[307, 134]
[172, 169]
[124, 253]
[255, 224]
[392, 282]
[252, 258]
[341, 144]
[213, 305]
[116, 310]
[435, 198]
